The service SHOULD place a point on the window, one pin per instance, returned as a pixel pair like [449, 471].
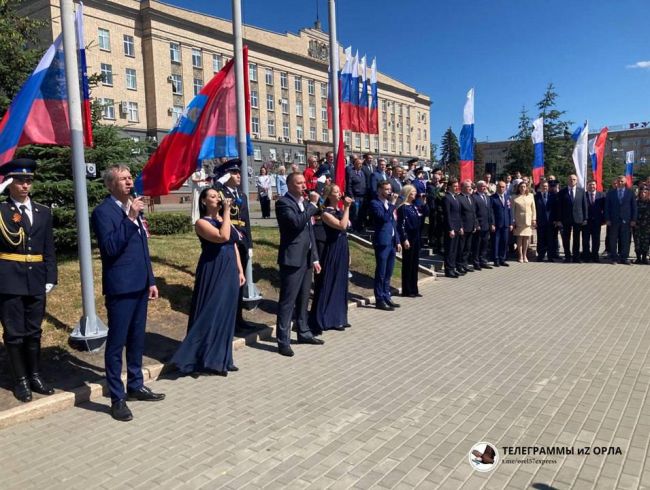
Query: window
[270, 127]
[297, 84]
[401, 146]
[298, 108]
[284, 80]
[254, 99]
[132, 108]
[107, 74]
[129, 46]
[287, 155]
[285, 129]
[217, 62]
[419, 134]
[385, 144]
[177, 84]
[325, 135]
[268, 76]
[323, 90]
[175, 52]
[347, 136]
[177, 113]
[300, 157]
[108, 108]
[383, 105]
[375, 146]
[198, 85]
[424, 133]
[270, 101]
[311, 87]
[131, 80]
[197, 58]
[285, 106]
[104, 39]
[252, 72]
[367, 142]
[299, 133]
[312, 133]
[273, 154]
[255, 124]
[323, 113]
[357, 141]
[312, 111]
[257, 153]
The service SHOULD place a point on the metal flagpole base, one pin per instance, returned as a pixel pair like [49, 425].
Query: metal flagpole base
[88, 335]
[252, 297]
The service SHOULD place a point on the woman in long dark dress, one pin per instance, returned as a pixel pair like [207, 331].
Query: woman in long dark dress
[329, 309]
[207, 347]
[409, 229]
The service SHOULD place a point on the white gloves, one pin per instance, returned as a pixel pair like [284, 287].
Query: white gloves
[5, 184]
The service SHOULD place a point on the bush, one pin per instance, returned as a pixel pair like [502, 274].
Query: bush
[169, 223]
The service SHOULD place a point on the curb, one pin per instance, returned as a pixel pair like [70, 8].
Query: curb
[96, 391]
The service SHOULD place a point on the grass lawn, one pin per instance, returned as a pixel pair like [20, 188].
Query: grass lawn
[174, 261]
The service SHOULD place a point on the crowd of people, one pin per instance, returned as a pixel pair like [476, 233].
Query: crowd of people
[474, 225]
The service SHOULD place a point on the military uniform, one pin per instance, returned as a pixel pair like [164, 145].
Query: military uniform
[27, 265]
[641, 232]
[239, 218]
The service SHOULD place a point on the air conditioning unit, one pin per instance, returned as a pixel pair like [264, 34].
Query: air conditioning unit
[170, 78]
[256, 136]
[286, 140]
[279, 138]
[300, 140]
[170, 110]
[124, 107]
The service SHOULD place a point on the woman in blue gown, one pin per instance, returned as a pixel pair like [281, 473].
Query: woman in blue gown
[409, 220]
[329, 309]
[207, 347]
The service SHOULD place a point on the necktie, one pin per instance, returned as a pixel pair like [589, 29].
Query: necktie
[469, 199]
[592, 198]
[502, 201]
[571, 193]
[24, 219]
[620, 195]
[544, 197]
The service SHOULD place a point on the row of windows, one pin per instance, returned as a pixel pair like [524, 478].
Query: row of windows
[127, 108]
[284, 106]
[273, 155]
[286, 130]
[104, 41]
[284, 81]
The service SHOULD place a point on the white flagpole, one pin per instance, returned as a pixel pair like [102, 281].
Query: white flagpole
[90, 332]
[252, 295]
[334, 77]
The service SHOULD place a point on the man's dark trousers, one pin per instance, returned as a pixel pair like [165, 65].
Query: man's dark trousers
[295, 283]
[384, 263]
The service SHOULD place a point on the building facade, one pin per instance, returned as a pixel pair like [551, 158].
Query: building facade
[155, 58]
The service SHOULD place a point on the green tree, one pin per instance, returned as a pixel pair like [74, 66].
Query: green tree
[450, 152]
[433, 154]
[520, 153]
[558, 144]
[18, 54]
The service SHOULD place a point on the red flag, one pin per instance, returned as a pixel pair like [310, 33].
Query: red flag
[601, 141]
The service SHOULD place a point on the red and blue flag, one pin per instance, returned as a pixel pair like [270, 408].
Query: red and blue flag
[538, 150]
[467, 139]
[629, 168]
[39, 112]
[373, 112]
[206, 130]
[363, 98]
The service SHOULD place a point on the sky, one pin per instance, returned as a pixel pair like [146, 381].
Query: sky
[596, 53]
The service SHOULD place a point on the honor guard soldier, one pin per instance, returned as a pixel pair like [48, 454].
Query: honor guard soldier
[28, 271]
[228, 182]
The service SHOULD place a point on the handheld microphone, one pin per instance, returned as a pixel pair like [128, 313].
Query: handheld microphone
[135, 195]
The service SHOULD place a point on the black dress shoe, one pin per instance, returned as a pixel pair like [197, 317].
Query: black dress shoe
[346, 325]
[467, 269]
[285, 351]
[233, 368]
[384, 306]
[244, 325]
[37, 384]
[477, 267]
[120, 411]
[486, 266]
[22, 391]
[504, 264]
[496, 264]
[312, 341]
[339, 328]
[452, 275]
[392, 304]
[624, 262]
[144, 394]
[460, 272]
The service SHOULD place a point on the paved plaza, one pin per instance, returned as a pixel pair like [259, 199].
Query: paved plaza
[549, 356]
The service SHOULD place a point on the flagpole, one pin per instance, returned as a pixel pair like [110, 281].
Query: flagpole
[334, 78]
[90, 332]
[252, 295]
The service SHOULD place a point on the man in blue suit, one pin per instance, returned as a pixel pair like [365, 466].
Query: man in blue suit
[503, 221]
[544, 208]
[385, 242]
[128, 285]
[453, 229]
[571, 216]
[378, 176]
[620, 216]
[595, 221]
[355, 187]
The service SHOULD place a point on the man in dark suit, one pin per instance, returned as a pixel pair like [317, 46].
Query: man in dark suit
[543, 207]
[28, 271]
[595, 221]
[367, 168]
[128, 285]
[620, 216]
[484, 222]
[554, 242]
[392, 175]
[378, 176]
[297, 256]
[228, 182]
[571, 215]
[503, 223]
[453, 228]
[385, 242]
[468, 225]
[355, 187]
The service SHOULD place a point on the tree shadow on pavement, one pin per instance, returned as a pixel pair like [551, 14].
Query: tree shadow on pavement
[178, 295]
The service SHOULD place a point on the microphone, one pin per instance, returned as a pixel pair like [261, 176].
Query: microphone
[135, 195]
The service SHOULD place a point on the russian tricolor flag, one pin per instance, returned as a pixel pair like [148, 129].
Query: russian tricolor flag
[538, 149]
[354, 89]
[467, 140]
[629, 168]
[346, 91]
[206, 130]
[597, 152]
[39, 112]
[373, 113]
[363, 98]
[581, 153]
